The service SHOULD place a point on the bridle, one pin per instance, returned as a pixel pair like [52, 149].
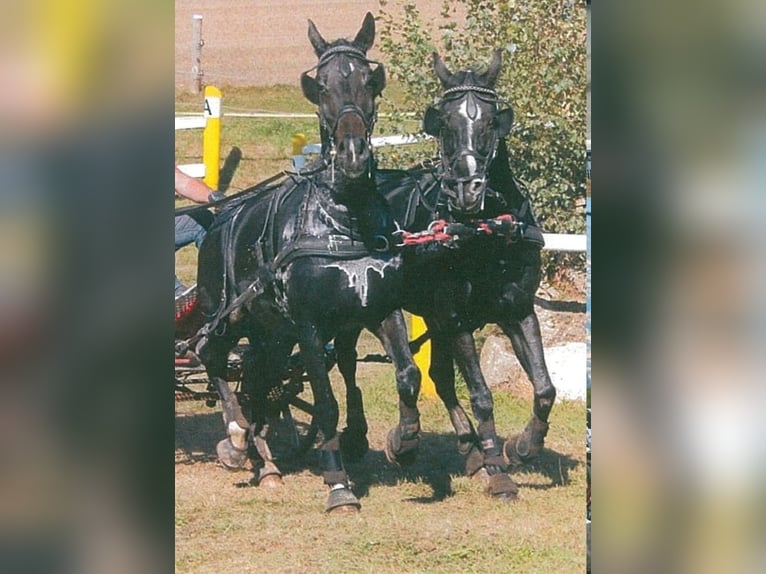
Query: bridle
[454, 187]
[330, 128]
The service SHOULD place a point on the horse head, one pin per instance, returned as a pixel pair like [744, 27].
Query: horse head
[468, 123]
[345, 89]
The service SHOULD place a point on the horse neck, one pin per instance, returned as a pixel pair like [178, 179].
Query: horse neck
[356, 203]
[501, 177]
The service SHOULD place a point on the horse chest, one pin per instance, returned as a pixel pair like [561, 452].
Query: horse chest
[341, 287]
[365, 276]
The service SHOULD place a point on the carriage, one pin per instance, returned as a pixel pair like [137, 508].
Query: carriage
[293, 428]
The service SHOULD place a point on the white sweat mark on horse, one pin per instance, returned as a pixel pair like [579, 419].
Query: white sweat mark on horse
[356, 272]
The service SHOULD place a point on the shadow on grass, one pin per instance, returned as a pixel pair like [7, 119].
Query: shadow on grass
[196, 436]
[437, 463]
[552, 465]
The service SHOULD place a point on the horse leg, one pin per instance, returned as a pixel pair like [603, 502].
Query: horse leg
[403, 440]
[528, 345]
[268, 473]
[256, 368]
[312, 352]
[353, 439]
[500, 484]
[232, 451]
[442, 372]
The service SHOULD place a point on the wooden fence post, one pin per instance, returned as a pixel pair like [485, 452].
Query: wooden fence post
[197, 43]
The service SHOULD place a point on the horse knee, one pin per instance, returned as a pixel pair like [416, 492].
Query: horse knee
[408, 381]
[544, 399]
[482, 404]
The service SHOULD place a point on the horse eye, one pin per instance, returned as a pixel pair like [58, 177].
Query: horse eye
[484, 140]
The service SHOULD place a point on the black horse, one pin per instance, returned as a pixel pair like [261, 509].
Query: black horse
[473, 235]
[306, 261]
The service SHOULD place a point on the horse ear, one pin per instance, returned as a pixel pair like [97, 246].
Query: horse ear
[490, 76]
[504, 122]
[310, 88]
[319, 43]
[432, 121]
[366, 35]
[377, 80]
[441, 70]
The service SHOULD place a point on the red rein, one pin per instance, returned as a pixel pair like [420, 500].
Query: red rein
[443, 232]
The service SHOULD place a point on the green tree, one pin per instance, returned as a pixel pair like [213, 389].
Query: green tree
[543, 78]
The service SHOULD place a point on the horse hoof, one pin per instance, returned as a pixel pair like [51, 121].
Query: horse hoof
[397, 453]
[480, 474]
[528, 444]
[230, 456]
[271, 481]
[353, 446]
[345, 509]
[502, 487]
[342, 501]
[474, 463]
[512, 458]
[519, 449]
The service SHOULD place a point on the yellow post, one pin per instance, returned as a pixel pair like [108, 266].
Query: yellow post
[211, 138]
[423, 358]
[298, 141]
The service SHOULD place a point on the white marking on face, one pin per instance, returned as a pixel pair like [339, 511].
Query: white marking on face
[469, 125]
[356, 273]
[468, 121]
[471, 164]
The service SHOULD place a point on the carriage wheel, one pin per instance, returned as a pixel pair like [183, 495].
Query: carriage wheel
[293, 431]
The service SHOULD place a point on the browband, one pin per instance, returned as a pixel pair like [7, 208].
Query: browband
[470, 88]
[350, 50]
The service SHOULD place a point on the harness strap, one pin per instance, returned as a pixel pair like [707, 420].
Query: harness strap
[253, 290]
[332, 247]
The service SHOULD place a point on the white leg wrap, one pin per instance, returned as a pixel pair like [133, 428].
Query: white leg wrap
[237, 435]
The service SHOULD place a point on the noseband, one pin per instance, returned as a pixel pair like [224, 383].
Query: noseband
[449, 162]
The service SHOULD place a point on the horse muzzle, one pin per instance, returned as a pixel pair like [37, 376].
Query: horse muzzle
[466, 195]
[353, 156]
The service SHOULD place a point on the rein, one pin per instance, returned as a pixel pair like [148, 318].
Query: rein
[237, 197]
[450, 233]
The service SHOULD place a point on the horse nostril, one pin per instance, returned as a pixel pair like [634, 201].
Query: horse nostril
[476, 185]
[360, 145]
[354, 148]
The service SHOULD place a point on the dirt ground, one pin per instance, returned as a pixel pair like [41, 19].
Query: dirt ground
[265, 42]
